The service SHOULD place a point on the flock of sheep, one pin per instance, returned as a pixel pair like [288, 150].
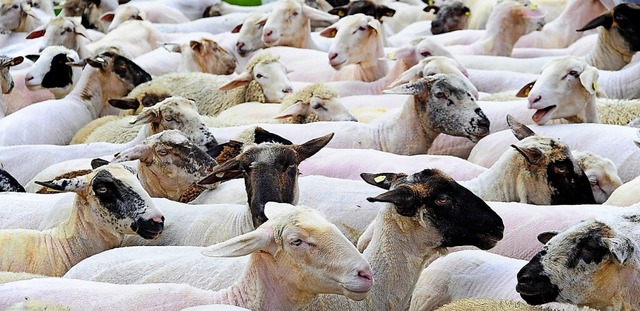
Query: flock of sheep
[319, 155]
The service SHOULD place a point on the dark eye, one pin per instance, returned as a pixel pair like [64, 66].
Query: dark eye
[102, 190]
[168, 118]
[361, 28]
[15, 6]
[296, 242]
[573, 73]
[440, 95]
[443, 200]
[560, 168]
[318, 106]
[593, 180]
[163, 152]
[35, 5]
[295, 13]
[259, 76]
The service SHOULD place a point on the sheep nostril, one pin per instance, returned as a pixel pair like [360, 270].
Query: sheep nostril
[239, 45]
[268, 33]
[537, 99]
[28, 78]
[287, 90]
[365, 274]
[332, 56]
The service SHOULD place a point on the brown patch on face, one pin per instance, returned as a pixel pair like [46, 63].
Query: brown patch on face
[150, 99]
[72, 174]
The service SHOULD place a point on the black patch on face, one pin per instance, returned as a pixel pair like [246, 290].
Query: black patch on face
[127, 70]
[589, 248]
[115, 196]
[632, 218]
[533, 285]
[269, 182]
[8, 183]
[59, 74]
[461, 217]
[148, 228]
[627, 18]
[569, 186]
[151, 99]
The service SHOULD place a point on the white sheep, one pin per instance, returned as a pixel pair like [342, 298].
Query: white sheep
[146, 11]
[509, 21]
[109, 203]
[316, 102]
[6, 276]
[30, 304]
[410, 131]
[602, 174]
[51, 71]
[58, 120]
[67, 32]
[626, 194]
[297, 247]
[205, 55]
[249, 34]
[19, 16]
[504, 305]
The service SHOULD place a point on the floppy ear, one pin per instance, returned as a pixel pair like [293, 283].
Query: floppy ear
[147, 115]
[107, 17]
[373, 24]
[15, 61]
[97, 62]
[299, 108]
[329, 32]
[311, 147]
[172, 47]
[37, 33]
[65, 185]
[80, 30]
[605, 20]
[384, 10]
[524, 91]
[532, 154]
[620, 247]
[412, 88]
[124, 103]
[139, 152]
[228, 170]
[340, 11]
[236, 29]
[381, 180]
[317, 15]
[412, 73]
[95, 163]
[402, 198]
[520, 131]
[261, 239]
[544, 237]
[589, 79]
[242, 79]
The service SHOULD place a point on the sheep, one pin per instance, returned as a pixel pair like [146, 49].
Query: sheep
[593, 263]
[559, 33]
[52, 72]
[171, 113]
[365, 7]
[6, 277]
[249, 34]
[90, 11]
[149, 11]
[132, 39]
[316, 102]
[391, 135]
[450, 17]
[473, 280]
[67, 32]
[6, 80]
[264, 80]
[288, 24]
[30, 304]
[482, 9]
[625, 195]
[602, 174]
[18, 16]
[8, 183]
[406, 217]
[287, 248]
[144, 95]
[509, 21]
[109, 203]
[108, 75]
[205, 55]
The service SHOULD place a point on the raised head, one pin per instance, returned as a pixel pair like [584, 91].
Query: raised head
[304, 252]
[6, 80]
[52, 71]
[357, 39]
[555, 167]
[270, 172]
[250, 33]
[589, 264]
[434, 200]
[60, 30]
[206, 55]
[178, 113]
[365, 7]
[269, 73]
[114, 199]
[445, 104]
[288, 19]
[12, 15]
[119, 74]
[122, 14]
[433, 65]
[522, 17]
[450, 16]
[622, 23]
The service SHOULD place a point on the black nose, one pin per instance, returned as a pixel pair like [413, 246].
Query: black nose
[148, 228]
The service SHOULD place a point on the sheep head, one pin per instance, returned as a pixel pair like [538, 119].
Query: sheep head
[450, 16]
[6, 80]
[623, 24]
[365, 7]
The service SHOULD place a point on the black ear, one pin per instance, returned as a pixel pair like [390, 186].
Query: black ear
[605, 20]
[229, 170]
[340, 11]
[520, 130]
[124, 103]
[385, 11]
[32, 57]
[402, 198]
[381, 180]
[430, 8]
[263, 136]
[311, 147]
[544, 237]
[95, 163]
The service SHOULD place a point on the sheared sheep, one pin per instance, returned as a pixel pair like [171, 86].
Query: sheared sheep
[204, 55]
[146, 11]
[6, 80]
[6, 276]
[305, 255]
[31, 304]
[51, 71]
[503, 305]
[110, 203]
[67, 32]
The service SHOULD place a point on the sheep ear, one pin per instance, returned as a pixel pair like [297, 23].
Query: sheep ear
[228, 170]
[433, 8]
[172, 47]
[412, 88]
[520, 131]
[406, 77]
[621, 248]
[65, 185]
[605, 20]
[311, 147]
[260, 239]
[403, 52]
[37, 33]
[107, 17]
[242, 79]
[382, 180]
[236, 29]
[79, 30]
[532, 154]
[329, 32]
[544, 237]
[147, 115]
[15, 61]
[95, 163]
[374, 24]
[124, 103]
[402, 198]
[195, 45]
[589, 79]
[524, 91]
[139, 152]
[384, 10]
[299, 108]
[261, 135]
[97, 62]
[340, 11]
[317, 15]
[32, 57]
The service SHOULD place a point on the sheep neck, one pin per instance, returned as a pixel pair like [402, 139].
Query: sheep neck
[403, 133]
[374, 67]
[263, 286]
[499, 40]
[399, 249]
[89, 91]
[77, 238]
[607, 55]
[163, 184]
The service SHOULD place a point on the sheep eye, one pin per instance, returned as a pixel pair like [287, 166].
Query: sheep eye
[168, 118]
[440, 95]
[259, 76]
[163, 152]
[593, 181]
[15, 6]
[319, 107]
[573, 73]
[560, 168]
[296, 242]
[101, 190]
[295, 13]
[442, 200]
[361, 28]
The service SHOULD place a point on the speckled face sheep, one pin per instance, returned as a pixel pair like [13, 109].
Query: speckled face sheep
[60, 30]
[10, 15]
[8, 183]
[568, 184]
[270, 173]
[6, 80]
[591, 264]
[450, 16]
[289, 22]
[52, 71]
[441, 92]
[169, 164]
[250, 34]
[566, 88]
[365, 7]
[205, 56]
